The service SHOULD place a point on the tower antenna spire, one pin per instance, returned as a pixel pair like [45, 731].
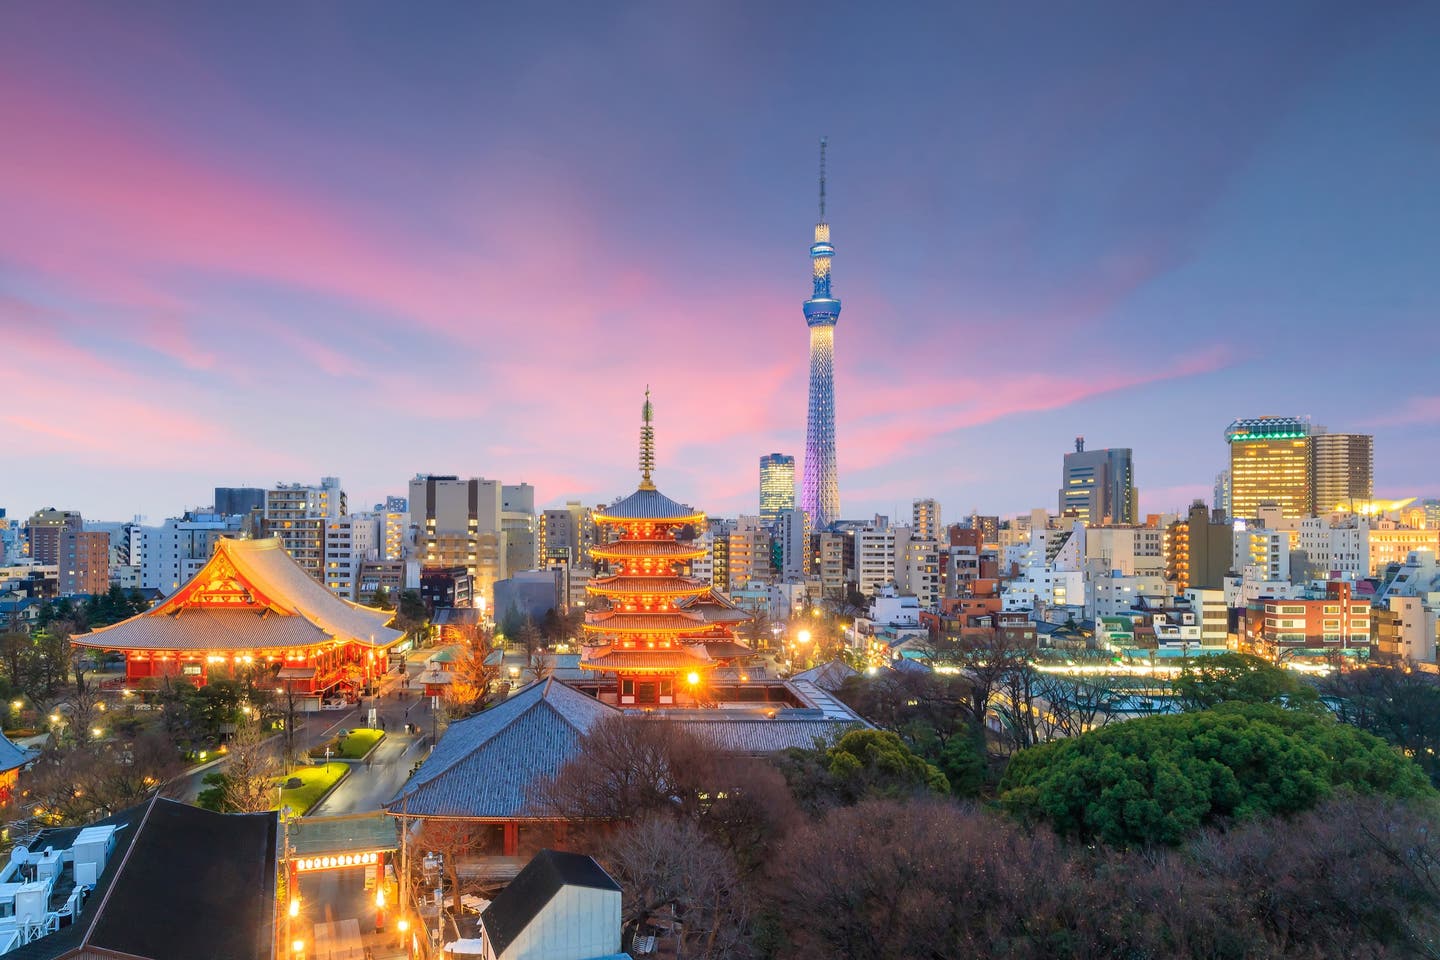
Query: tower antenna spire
[823, 142]
[647, 442]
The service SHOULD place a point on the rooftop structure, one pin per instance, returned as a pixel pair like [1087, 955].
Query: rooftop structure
[483, 767]
[160, 881]
[562, 906]
[253, 605]
[820, 490]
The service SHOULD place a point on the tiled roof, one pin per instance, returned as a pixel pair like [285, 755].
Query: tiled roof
[620, 621]
[646, 505]
[482, 766]
[678, 658]
[759, 736]
[726, 649]
[11, 756]
[265, 568]
[206, 630]
[654, 586]
[715, 607]
[672, 549]
[829, 676]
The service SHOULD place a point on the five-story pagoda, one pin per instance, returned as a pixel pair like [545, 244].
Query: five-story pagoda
[658, 630]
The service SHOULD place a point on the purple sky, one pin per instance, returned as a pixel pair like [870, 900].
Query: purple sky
[242, 243]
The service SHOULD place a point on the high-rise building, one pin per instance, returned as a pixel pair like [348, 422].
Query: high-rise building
[1200, 550]
[1343, 468]
[777, 485]
[517, 523]
[45, 528]
[172, 553]
[297, 514]
[1098, 486]
[350, 542]
[1221, 498]
[820, 496]
[1270, 462]
[794, 543]
[750, 553]
[925, 520]
[458, 523]
[238, 500]
[84, 562]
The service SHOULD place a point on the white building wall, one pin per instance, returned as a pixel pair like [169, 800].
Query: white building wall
[577, 924]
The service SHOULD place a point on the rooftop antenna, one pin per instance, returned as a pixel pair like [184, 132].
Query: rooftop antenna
[823, 142]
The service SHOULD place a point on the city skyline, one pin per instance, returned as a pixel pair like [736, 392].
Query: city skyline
[197, 271]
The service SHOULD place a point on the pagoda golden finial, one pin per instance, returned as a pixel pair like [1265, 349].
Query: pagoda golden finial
[647, 442]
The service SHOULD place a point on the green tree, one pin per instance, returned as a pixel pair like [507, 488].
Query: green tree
[380, 599]
[863, 764]
[1239, 678]
[1158, 779]
[410, 614]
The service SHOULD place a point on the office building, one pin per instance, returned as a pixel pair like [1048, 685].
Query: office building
[1343, 468]
[777, 485]
[1098, 486]
[1271, 462]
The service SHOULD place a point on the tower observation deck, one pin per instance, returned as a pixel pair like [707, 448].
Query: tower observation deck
[820, 488]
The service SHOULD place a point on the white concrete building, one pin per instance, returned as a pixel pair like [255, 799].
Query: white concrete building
[1127, 549]
[1116, 594]
[875, 555]
[175, 551]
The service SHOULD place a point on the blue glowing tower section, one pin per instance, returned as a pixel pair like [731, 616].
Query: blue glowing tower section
[820, 490]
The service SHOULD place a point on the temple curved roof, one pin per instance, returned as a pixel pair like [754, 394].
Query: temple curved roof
[647, 504]
[250, 594]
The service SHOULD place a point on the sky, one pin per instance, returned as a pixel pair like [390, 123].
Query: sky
[261, 242]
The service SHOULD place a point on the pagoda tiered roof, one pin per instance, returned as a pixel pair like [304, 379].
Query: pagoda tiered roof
[621, 621]
[250, 595]
[647, 503]
[642, 549]
[625, 585]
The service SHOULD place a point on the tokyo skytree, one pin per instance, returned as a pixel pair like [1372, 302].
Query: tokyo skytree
[820, 490]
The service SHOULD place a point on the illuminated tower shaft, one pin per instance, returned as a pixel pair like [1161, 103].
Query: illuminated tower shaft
[820, 489]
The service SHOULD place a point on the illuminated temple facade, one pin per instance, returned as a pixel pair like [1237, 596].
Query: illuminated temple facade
[251, 607]
[658, 631]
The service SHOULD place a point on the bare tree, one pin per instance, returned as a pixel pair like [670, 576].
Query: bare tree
[673, 877]
[250, 770]
[452, 840]
[84, 703]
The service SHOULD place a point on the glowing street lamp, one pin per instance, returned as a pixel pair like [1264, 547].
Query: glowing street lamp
[803, 636]
[693, 679]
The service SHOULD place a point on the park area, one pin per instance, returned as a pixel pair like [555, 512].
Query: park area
[303, 787]
[349, 745]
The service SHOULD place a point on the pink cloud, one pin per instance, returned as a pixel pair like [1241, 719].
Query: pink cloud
[903, 417]
[1416, 410]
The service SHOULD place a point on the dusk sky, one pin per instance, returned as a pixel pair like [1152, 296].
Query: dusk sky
[255, 242]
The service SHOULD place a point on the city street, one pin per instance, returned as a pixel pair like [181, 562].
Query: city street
[367, 786]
